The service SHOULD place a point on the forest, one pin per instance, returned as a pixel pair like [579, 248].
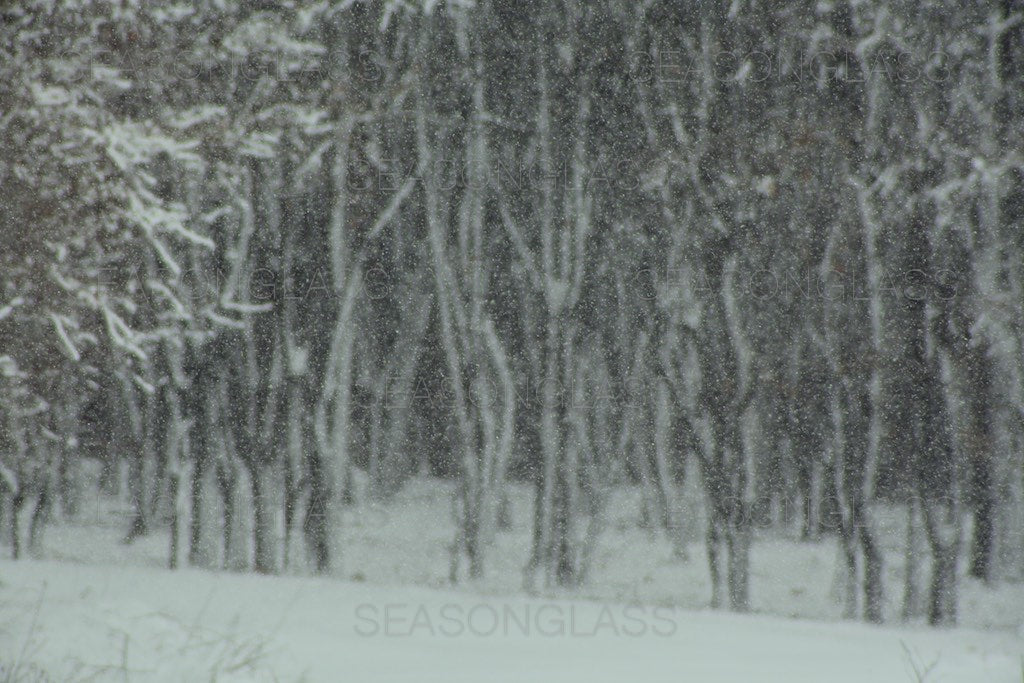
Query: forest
[256, 252]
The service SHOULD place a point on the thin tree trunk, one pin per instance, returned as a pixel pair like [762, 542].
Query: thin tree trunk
[180, 489]
[872, 573]
[674, 513]
[236, 493]
[912, 602]
[41, 514]
[713, 543]
[740, 526]
[944, 539]
[140, 463]
[267, 516]
[18, 500]
[203, 487]
[738, 543]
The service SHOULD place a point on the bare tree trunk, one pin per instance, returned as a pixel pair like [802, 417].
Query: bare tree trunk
[375, 445]
[982, 565]
[325, 512]
[8, 525]
[944, 538]
[41, 514]
[974, 377]
[18, 501]
[674, 514]
[913, 606]
[873, 600]
[740, 525]
[69, 473]
[738, 543]
[140, 459]
[296, 487]
[714, 543]
[236, 490]
[851, 597]
[180, 480]
[268, 512]
[815, 491]
[202, 545]
[236, 495]
[1009, 552]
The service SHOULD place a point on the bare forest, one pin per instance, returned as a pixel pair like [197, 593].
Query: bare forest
[265, 264]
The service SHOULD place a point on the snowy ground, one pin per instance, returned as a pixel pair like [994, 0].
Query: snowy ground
[405, 542]
[94, 609]
[64, 622]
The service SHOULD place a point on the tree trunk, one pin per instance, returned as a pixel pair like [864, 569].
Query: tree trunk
[395, 458]
[738, 542]
[815, 493]
[944, 540]
[714, 541]
[375, 446]
[69, 476]
[41, 514]
[201, 408]
[563, 545]
[7, 524]
[1009, 554]
[872, 574]
[942, 592]
[235, 490]
[46, 487]
[300, 446]
[983, 532]
[202, 547]
[18, 501]
[268, 516]
[912, 602]
[180, 489]
[141, 463]
[848, 544]
[674, 512]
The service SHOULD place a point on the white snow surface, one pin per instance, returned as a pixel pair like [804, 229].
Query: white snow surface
[63, 621]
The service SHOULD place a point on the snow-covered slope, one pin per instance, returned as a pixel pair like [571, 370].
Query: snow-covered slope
[72, 622]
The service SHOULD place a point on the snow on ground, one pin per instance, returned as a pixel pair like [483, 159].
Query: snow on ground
[405, 541]
[95, 609]
[60, 621]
